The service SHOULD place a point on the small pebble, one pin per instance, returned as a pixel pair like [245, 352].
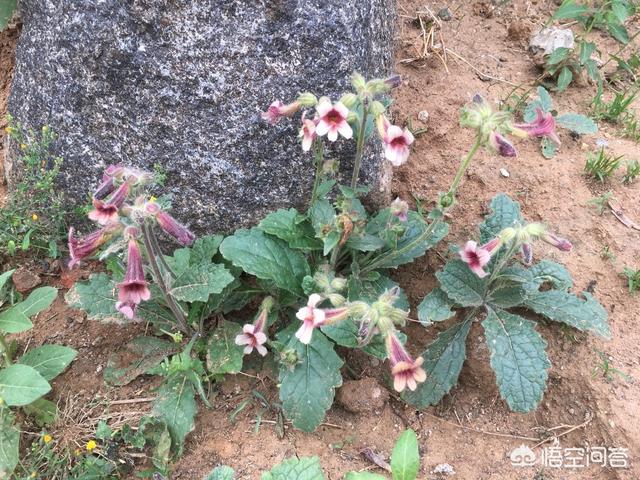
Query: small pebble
[423, 116]
[504, 172]
[444, 469]
[445, 14]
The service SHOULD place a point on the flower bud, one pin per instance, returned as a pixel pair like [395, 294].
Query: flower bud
[394, 81]
[358, 82]
[359, 309]
[338, 284]
[336, 299]
[377, 86]
[507, 234]
[535, 230]
[376, 108]
[351, 117]
[290, 358]
[349, 100]
[307, 99]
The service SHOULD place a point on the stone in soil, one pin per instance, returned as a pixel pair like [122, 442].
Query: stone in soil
[25, 280]
[362, 396]
[181, 85]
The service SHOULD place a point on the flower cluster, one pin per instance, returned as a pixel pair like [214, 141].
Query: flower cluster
[333, 119]
[122, 210]
[478, 256]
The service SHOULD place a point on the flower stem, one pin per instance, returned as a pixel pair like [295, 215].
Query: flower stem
[390, 255]
[359, 146]
[5, 351]
[170, 301]
[319, 157]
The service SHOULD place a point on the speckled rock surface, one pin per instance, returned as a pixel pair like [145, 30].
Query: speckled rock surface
[180, 83]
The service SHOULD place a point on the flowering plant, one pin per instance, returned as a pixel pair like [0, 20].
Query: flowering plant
[319, 278]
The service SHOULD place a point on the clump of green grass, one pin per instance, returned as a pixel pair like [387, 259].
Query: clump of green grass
[601, 165]
[633, 279]
[633, 170]
[601, 203]
[615, 111]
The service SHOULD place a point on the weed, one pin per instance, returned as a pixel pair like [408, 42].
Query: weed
[601, 203]
[601, 165]
[615, 111]
[607, 254]
[633, 170]
[33, 216]
[608, 370]
[633, 279]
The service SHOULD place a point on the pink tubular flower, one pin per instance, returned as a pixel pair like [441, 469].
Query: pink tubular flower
[253, 336]
[396, 141]
[332, 120]
[80, 248]
[501, 145]
[478, 256]
[134, 288]
[400, 209]
[108, 184]
[406, 371]
[559, 243]
[543, 126]
[105, 212]
[277, 110]
[313, 317]
[307, 133]
[174, 228]
[527, 253]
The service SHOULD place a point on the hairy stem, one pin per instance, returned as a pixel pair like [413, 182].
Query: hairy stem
[359, 146]
[169, 300]
[319, 158]
[381, 260]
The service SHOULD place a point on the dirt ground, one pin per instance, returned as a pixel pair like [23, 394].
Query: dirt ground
[472, 429]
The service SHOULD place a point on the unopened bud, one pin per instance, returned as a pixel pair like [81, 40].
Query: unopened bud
[289, 358]
[336, 299]
[349, 100]
[351, 117]
[307, 99]
[377, 86]
[338, 284]
[507, 234]
[376, 108]
[358, 82]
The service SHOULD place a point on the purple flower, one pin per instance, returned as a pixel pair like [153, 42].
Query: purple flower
[105, 212]
[501, 145]
[559, 243]
[174, 228]
[543, 126]
[406, 371]
[313, 317]
[400, 209]
[134, 288]
[253, 335]
[527, 253]
[479, 256]
[277, 110]
[80, 248]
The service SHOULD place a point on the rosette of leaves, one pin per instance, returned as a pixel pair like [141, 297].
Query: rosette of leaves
[574, 122]
[607, 16]
[25, 381]
[517, 351]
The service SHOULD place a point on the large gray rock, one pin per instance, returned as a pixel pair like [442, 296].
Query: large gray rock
[180, 83]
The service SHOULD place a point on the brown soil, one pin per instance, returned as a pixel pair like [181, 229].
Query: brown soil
[472, 429]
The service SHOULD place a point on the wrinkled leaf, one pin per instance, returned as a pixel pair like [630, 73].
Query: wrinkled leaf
[290, 226]
[200, 281]
[221, 473]
[176, 406]
[267, 258]
[223, 355]
[564, 307]
[443, 361]
[296, 469]
[307, 389]
[577, 123]
[7, 8]
[543, 101]
[204, 248]
[435, 307]
[96, 297]
[518, 357]
[462, 285]
[548, 271]
[147, 353]
[549, 148]
[504, 213]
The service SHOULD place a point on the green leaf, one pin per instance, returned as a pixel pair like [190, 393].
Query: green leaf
[549, 148]
[21, 385]
[7, 7]
[200, 281]
[176, 406]
[223, 355]
[49, 360]
[13, 320]
[504, 213]
[345, 334]
[363, 476]
[586, 50]
[296, 469]
[435, 307]
[136, 358]
[577, 123]
[619, 32]
[322, 217]
[518, 358]
[462, 285]
[204, 249]
[564, 78]
[5, 276]
[9, 443]
[221, 473]
[365, 242]
[292, 227]
[548, 271]
[330, 242]
[267, 258]
[405, 459]
[543, 101]
[96, 297]
[443, 361]
[558, 56]
[369, 291]
[180, 260]
[569, 10]
[307, 389]
[506, 294]
[564, 307]
[43, 411]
